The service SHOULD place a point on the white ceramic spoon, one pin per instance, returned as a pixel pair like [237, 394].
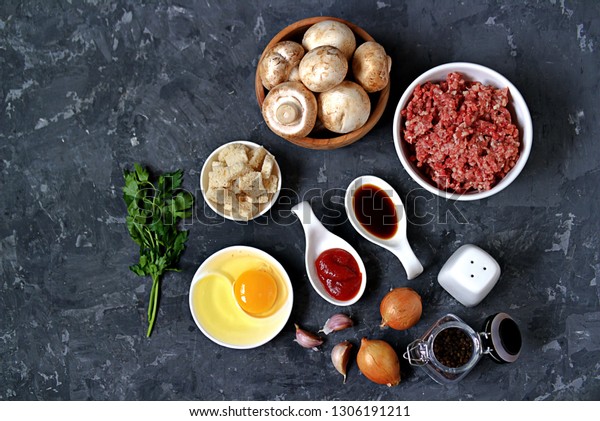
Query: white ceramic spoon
[398, 244]
[319, 239]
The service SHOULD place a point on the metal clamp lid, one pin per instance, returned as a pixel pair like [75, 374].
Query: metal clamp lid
[416, 353]
[501, 338]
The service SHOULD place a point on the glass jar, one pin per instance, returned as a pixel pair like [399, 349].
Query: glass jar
[457, 351]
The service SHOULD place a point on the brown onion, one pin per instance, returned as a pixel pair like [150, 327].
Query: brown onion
[378, 361]
[400, 309]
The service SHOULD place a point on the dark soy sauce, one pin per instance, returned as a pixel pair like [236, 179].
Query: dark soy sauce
[375, 211]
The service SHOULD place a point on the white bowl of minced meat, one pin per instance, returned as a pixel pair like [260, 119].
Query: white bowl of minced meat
[463, 131]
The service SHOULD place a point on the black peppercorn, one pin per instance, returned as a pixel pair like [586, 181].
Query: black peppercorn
[452, 347]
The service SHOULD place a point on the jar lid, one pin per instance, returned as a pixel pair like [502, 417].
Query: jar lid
[501, 338]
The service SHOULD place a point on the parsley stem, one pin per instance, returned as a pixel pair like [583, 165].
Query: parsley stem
[151, 238]
[151, 299]
[153, 304]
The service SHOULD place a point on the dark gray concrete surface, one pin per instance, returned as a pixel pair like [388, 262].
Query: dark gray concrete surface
[87, 88]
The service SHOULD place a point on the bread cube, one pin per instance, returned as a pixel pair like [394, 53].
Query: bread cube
[234, 154]
[247, 209]
[251, 184]
[215, 195]
[228, 199]
[218, 177]
[263, 199]
[257, 157]
[271, 184]
[237, 170]
[267, 166]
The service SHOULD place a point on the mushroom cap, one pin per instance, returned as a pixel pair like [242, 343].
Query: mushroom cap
[371, 66]
[278, 62]
[344, 108]
[330, 32]
[294, 75]
[322, 68]
[290, 110]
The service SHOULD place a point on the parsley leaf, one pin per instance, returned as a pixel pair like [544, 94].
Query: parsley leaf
[153, 211]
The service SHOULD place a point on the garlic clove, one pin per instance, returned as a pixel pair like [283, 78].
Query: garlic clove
[340, 355]
[307, 339]
[336, 323]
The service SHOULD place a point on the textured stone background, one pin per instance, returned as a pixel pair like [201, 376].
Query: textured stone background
[87, 88]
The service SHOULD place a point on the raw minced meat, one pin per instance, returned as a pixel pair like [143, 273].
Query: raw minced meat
[461, 133]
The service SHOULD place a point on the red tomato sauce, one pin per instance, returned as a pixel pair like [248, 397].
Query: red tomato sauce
[339, 273]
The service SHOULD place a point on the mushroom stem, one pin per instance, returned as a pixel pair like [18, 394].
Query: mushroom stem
[290, 110]
[288, 113]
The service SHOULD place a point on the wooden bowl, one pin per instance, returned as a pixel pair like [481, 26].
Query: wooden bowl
[327, 139]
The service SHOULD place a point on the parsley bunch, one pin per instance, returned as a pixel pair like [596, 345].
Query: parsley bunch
[153, 212]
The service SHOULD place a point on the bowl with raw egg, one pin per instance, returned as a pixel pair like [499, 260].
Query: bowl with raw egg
[241, 297]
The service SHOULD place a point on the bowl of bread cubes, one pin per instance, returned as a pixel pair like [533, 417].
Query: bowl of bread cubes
[240, 180]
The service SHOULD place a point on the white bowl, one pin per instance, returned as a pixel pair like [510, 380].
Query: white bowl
[397, 244]
[318, 240]
[263, 207]
[516, 105]
[281, 316]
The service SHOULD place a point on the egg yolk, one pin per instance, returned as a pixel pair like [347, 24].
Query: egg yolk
[255, 291]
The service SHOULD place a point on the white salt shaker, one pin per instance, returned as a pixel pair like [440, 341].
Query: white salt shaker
[469, 275]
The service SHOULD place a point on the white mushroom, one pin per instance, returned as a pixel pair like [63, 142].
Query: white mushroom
[371, 66]
[278, 62]
[295, 74]
[290, 110]
[344, 108]
[323, 68]
[330, 32]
